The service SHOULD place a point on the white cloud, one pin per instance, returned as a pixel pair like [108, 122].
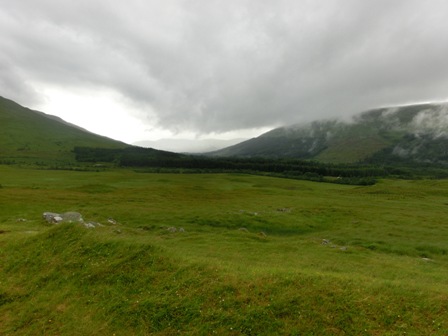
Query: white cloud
[100, 112]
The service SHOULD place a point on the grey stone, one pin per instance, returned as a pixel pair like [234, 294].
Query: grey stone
[72, 217]
[92, 225]
[69, 217]
[49, 216]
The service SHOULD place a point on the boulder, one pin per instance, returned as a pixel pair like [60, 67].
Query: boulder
[68, 217]
[72, 217]
[50, 217]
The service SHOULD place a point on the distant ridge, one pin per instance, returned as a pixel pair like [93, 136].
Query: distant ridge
[188, 145]
[32, 136]
[411, 133]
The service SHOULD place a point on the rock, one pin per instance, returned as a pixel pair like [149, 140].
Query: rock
[243, 229]
[72, 217]
[49, 217]
[92, 225]
[343, 248]
[20, 220]
[112, 221]
[325, 242]
[181, 230]
[172, 229]
[69, 217]
[262, 234]
[57, 219]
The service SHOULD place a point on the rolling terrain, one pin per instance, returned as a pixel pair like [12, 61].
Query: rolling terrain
[224, 254]
[414, 133]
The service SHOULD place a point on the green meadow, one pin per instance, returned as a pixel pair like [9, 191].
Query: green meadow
[221, 254]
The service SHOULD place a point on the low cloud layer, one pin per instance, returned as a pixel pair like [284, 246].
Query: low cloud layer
[217, 66]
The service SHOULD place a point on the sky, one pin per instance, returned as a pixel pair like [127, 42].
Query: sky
[145, 69]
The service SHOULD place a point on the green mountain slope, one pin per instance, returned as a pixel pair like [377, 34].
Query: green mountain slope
[415, 133]
[32, 136]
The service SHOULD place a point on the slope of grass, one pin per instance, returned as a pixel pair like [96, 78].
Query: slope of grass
[351, 150]
[30, 136]
[257, 256]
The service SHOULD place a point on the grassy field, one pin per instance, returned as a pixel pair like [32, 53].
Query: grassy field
[256, 256]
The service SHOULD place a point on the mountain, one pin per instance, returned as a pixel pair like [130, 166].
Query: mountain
[412, 133]
[188, 145]
[32, 136]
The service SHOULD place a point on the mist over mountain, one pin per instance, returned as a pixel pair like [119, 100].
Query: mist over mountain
[188, 145]
[412, 133]
[389, 135]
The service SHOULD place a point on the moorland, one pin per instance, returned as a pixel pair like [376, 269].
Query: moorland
[257, 255]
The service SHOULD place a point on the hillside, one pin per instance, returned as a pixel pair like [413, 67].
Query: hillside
[414, 133]
[35, 137]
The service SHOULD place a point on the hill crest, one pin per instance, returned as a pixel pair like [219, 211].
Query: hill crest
[411, 133]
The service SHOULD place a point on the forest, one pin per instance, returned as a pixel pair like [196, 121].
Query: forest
[362, 173]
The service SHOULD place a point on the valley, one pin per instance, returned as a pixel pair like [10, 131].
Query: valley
[256, 255]
[175, 244]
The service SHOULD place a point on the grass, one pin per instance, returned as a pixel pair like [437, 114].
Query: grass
[25, 137]
[258, 255]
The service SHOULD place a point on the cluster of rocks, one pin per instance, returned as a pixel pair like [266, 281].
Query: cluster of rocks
[92, 225]
[328, 243]
[71, 217]
[173, 229]
[67, 217]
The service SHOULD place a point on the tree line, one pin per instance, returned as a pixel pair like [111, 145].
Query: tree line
[149, 158]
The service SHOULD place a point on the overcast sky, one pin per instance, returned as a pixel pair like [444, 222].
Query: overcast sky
[148, 69]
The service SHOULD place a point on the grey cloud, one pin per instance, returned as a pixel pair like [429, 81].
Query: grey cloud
[212, 66]
[14, 85]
